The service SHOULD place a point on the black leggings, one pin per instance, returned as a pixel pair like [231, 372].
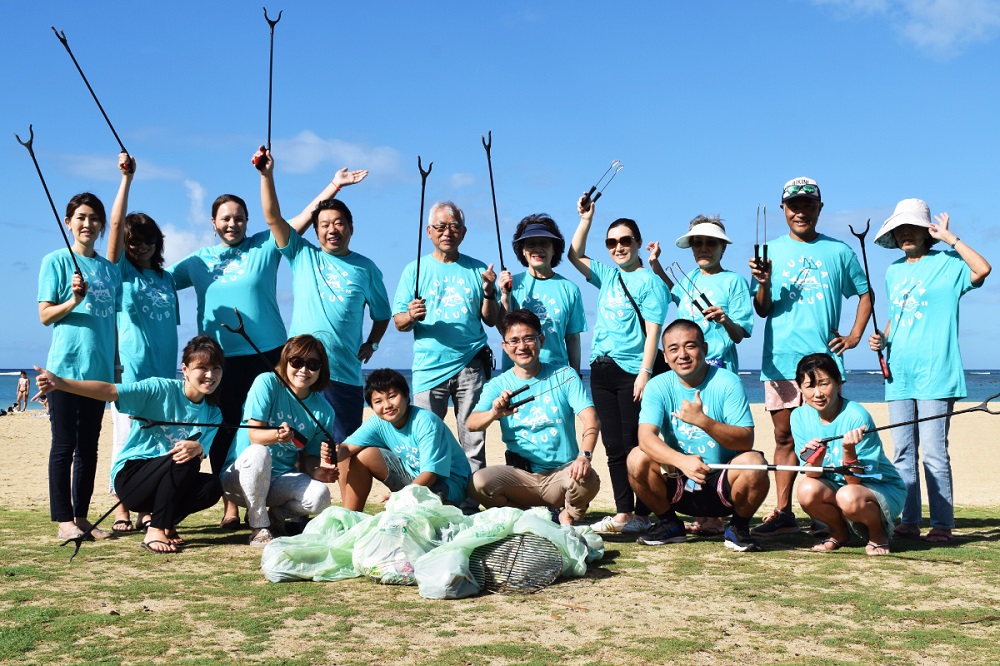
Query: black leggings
[237, 377]
[165, 489]
[611, 388]
[76, 429]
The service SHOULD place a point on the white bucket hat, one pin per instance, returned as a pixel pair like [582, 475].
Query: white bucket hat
[703, 229]
[908, 211]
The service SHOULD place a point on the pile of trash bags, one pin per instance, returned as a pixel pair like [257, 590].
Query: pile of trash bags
[419, 541]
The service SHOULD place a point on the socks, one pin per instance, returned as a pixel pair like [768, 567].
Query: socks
[669, 517]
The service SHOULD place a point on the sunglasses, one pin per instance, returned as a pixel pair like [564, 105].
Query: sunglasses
[451, 226]
[624, 241]
[793, 190]
[140, 242]
[312, 364]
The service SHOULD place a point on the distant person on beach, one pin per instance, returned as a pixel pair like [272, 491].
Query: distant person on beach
[42, 399]
[147, 323]
[545, 465]
[800, 292]
[276, 474]
[843, 502]
[81, 309]
[456, 296]
[725, 321]
[23, 388]
[693, 416]
[539, 245]
[924, 288]
[632, 305]
[331, 286]
[157, 472]
[402, 444]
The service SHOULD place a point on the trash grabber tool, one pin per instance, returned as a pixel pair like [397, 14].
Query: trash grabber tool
[860, 471]
[981, 407]
[864, 258]
[616, 166]
[241, 331]
[259, 161]
[760, 259]
[694, 287]
[487, 144]
[420, 222]
[31, 151]
[525, 401]
[297, 438]
[157, 470]
[61, 36]
[677, 281]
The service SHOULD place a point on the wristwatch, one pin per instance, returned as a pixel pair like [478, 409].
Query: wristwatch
[587, 454]
[374, 345]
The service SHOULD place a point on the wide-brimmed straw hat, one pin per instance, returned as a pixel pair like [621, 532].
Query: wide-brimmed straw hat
[703, 229]
[908, 211]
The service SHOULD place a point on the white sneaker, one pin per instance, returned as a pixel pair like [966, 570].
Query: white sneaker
[608, 525]
[636, 525]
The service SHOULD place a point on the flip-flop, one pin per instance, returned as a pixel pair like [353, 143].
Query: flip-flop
[904, 531]
[75, 534]
[128, 527]
[871, 547]
[157, 551]
[232, 523]
[937, 537]
[836, 545]
[175, 539]
[143, 525]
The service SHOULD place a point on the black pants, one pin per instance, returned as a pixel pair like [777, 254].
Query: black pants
[76, 428]
[237, 377]
[611, 387]
[168, 491]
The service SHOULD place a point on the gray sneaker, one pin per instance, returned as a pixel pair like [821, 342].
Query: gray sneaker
[637, 525]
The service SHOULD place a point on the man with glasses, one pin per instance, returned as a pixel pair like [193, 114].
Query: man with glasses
[800, 292]
[537, 405]
[446, 312]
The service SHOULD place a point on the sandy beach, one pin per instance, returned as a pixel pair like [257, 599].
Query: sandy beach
[25, 439]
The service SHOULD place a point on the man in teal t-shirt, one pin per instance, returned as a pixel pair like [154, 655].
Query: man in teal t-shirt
[545, 467]
[800, 292]
[446, 312]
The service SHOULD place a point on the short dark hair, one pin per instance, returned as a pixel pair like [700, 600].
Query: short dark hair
[633, 227]
[204, 347]
[229, 198]
[384, 380]
[301, 345]
[88, 199]
[331, 204]
[808, 366]
[520, 316]
[143, 226]
[685, 324]
[558, 244]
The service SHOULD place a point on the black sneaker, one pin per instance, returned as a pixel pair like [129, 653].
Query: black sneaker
[662, 533]
[778, 522]
[739, 540]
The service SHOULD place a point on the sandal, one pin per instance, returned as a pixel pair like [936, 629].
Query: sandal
[143, 525]
[906, 531]
[231, 523]
[872, 548]
[938, 537]
[126, 526]
[820, 547]
[74, 534]
[162, 547]
[174, 538]
[260, 537]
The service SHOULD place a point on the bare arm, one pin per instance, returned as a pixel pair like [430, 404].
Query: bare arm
[734, 438]
[573, 350]
[977, 264]
[479, 421]
[88, 388]
[279, 435]
[649, 351]
[119, 209]
[50, 313]
[341, 179]
[840, 344]
[762, 298]
[375, 335]
[654, 263]
[577, 253]
[490, 307]
[280, 229]
[653, 446]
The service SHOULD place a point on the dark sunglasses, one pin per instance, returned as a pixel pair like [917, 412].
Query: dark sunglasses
[625, 241]
[139, 242]
[312, 364]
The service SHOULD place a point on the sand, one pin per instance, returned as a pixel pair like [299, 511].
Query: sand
[25, 438]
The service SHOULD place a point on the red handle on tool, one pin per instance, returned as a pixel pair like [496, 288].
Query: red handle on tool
[131, 162]
[885, 366]
[813, 457]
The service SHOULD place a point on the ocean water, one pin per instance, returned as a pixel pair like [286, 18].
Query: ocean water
[861, 385]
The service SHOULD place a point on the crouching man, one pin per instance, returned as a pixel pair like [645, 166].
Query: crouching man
[703, 416]
[401, 445]
[545, 467]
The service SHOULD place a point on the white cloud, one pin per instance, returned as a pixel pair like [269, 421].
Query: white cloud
[306, 151]
[179, 243]
[105, 169]
[941, 28]
[196, 193]
[460, 180]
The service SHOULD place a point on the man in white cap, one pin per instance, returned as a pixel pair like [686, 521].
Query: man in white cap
[800, 291]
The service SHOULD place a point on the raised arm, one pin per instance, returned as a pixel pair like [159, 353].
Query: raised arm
[490, 308]
[280, 229]
[119, 209]
[341, 179]
[653, 247]
[977, 264]
[577, 253]
[89, 388]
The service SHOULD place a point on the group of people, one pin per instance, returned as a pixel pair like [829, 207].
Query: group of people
[281, 417]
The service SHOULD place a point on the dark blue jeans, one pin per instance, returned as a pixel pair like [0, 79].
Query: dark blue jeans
[348, 404]
[76, 428]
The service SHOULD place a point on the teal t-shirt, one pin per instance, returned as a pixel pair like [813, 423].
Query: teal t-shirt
[330, 296]
[452, 333]
[924, 359]
[147, 324]
[617, 332]
[809, 282]
[544, 430]
[423, 444]
[243, 276]
[730, 292]
[559, 306]
[83, 342]
[722, 399]
[270, 402]
[806, 426]
[160, 399]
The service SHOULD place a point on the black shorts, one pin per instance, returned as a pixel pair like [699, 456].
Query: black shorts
[714, 499]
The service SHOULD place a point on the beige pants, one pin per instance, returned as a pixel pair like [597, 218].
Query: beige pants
[501, 485]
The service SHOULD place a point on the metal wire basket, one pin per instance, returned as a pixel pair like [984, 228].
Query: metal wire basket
[517, 563]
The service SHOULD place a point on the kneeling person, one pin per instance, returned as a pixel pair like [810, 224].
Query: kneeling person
[540, 436]
[704, 417]
[405, 445]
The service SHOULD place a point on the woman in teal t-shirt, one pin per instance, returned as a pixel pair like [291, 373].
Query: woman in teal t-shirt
[925, 363]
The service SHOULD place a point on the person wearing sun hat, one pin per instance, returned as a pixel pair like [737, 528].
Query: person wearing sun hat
[921, 346]
[800, 292]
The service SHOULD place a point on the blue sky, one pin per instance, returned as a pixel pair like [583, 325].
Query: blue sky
[710, 106]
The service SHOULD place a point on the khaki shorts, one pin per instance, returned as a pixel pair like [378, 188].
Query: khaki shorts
[781, 394]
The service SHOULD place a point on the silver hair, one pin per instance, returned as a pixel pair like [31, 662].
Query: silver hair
[452, 208]
[706, 219]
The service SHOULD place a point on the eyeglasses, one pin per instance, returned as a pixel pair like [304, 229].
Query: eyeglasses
[624, 241]
[312, 364]
[793, 190]
[451, 226]
[528, 340]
